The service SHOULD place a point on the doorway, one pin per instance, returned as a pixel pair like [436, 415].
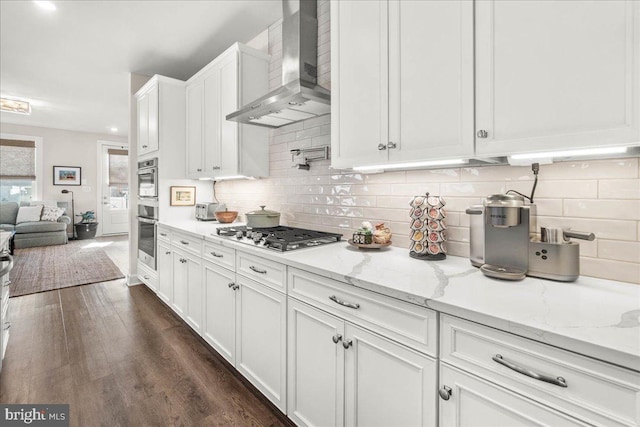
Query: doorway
[113, 188]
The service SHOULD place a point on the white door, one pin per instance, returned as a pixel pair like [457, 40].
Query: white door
[476, 402]
[114, 171]
[387, 384]
[430, 80]
[195, 304]
[165, 274]
[359, 83]
[195, 110]
[316, 367]
[219, 328]
[261, 339]
[180, 282]
[556, 74]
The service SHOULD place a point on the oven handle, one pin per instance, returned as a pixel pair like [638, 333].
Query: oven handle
[146, 220]
[147, 170]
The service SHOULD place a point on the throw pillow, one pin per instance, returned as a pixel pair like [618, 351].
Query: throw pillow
[51, 213]
[28, 214]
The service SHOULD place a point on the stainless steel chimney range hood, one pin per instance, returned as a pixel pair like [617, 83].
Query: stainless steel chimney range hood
[299, 98]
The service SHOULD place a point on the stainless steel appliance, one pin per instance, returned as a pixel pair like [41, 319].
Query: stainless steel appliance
[278, 238]
[299, 98]
[507, 226]
[148, 179]
[206, 211]
[554, 256]
[147, 232]
[476, 235]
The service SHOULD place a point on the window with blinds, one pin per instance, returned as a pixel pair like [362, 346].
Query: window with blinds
[118, 178]
[17, 170]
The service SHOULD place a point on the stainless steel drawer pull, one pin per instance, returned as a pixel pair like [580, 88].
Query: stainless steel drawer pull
[257, 270]
[382, 146]
[146, 277]
[231, 284]
[163, 234]
[559, 381]
[346, 344]
[217, 255]
[7, 325]
[336, 338]
[445, 392]
[167, 252]
[344, 303]
[184, 242]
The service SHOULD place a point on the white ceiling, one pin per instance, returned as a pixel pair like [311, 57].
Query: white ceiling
[73, 63]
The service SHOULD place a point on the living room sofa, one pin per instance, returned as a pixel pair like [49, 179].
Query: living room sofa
[32, 233]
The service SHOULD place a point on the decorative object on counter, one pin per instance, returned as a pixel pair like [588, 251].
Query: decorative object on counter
[369, 237]
[226, 216]
[428, 228]
[263, 218]
[67, 175]
[183, 196]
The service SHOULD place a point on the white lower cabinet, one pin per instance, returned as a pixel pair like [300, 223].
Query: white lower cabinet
[165, 272]
[342, 374]
[219, 328]
[261, 338]
[477, 402]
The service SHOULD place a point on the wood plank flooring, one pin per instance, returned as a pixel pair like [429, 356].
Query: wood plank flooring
[120, 357]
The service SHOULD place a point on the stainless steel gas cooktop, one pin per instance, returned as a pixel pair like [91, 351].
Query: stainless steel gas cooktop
[279, 238]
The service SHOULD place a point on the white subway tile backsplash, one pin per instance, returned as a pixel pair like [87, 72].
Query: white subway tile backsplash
[599, 196]
[598, 208]
[619, 189]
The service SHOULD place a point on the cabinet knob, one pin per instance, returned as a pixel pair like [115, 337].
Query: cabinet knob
[482, 133]
[346, 344]
[445, 392]
[167, 253]
[231, 284]
[392, 145]
[336, 338]
[199, 170]
[144, 146]
[382, 146]
[215, 168]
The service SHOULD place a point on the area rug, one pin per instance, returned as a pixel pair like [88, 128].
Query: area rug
[47, 268]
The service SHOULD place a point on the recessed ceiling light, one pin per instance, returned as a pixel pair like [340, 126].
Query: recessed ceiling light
[45, 5]
[15, 106]
[113, 129]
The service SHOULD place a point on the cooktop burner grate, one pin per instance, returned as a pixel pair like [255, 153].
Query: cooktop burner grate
[280, 238]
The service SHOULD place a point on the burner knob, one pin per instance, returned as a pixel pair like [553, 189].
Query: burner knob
[239, 235]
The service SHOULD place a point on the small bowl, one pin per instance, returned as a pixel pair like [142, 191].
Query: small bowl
[226, 217]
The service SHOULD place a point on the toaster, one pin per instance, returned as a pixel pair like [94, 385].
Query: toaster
[206, 211]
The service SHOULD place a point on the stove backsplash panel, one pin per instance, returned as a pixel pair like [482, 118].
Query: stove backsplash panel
[600, 196]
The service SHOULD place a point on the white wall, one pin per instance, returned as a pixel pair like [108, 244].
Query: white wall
[67, 148]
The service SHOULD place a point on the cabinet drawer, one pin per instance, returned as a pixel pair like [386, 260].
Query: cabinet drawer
[598, 392]
[219, 255]
[148, 276]
[164, 233]
[406, 323]
[187, 243]
[270, 273]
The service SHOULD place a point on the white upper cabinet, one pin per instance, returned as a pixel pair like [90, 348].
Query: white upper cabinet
[160, 110]
[402, 81]
[554, 75]
[217, 147]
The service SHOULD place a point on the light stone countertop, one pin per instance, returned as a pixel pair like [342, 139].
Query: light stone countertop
[4, 236]
[596, 317]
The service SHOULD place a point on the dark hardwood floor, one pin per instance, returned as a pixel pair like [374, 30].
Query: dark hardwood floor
[119, 357]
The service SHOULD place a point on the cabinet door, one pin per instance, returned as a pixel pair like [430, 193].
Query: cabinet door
[430, 80]
[195, 108]
[477, 402]
[378, 370]
[212, 121]
[554, 75]
[143, 124]
[194, 292]
[180, 278]
[228, 103]
[261, 339]
[165, 275]
[359, 83]
[154, 119]
[315, 367]
[219, 328]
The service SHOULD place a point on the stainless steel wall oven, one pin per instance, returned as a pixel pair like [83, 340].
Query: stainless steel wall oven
[147, 219]
[148, 179]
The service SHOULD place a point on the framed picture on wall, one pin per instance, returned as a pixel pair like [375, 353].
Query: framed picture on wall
[183, 196]
[67, 175]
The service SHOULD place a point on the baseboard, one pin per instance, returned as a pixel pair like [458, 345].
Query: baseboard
[132, 280]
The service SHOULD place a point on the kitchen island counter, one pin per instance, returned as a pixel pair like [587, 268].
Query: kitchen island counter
[595, 317]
